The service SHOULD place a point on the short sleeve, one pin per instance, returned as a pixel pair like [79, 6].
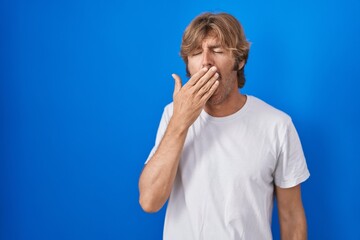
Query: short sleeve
[291, 168]
[165, 118]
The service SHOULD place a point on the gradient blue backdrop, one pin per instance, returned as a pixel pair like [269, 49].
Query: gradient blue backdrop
[83, 85]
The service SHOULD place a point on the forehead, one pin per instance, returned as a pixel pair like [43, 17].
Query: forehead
[209, 41]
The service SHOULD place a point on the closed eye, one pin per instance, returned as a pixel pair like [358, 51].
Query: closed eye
[218, 50]
[196, 53]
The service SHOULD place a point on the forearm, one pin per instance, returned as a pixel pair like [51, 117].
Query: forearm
[158, 175]
[291, 213]
[293, 227]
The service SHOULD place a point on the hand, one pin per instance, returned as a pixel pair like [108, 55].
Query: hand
[190, 99]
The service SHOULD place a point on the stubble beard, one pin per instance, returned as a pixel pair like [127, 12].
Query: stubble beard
[221, 93]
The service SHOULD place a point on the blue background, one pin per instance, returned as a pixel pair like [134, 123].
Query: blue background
[83, 85]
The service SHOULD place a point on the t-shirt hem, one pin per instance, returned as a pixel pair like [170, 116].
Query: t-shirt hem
[292, 183]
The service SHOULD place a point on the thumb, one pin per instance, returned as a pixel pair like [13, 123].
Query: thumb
[178, 83]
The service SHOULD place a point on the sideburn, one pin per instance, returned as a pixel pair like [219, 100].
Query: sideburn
[240, 73]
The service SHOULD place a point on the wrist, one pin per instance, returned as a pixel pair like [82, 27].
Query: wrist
[177, 127]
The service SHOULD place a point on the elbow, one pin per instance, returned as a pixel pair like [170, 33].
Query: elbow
[149, 205]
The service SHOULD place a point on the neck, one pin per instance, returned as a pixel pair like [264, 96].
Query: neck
[230, 105]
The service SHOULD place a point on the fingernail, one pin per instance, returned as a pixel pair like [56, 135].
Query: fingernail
[213, 68]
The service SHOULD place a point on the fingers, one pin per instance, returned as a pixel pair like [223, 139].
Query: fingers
[208, 84]
[211, 91]
[205, 78]
[194, 78]
[178, 83]
[201, 85]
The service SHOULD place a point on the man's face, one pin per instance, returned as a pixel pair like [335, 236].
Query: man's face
[212, 53]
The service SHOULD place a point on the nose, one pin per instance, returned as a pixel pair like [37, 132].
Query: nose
[207, 60]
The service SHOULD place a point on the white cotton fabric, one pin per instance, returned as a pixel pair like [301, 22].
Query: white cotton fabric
[224, 186]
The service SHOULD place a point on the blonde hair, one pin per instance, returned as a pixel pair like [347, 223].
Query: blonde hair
[229, 32]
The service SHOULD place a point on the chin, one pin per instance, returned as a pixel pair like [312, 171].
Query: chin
[219, 97]
[215, 100]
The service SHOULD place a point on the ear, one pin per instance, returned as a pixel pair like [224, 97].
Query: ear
[241, 65]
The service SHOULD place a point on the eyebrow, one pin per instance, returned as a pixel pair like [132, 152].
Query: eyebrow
[214, 46]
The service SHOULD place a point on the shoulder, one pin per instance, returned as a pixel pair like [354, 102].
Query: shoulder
[265, 113]
[169, 107]
[168, 111]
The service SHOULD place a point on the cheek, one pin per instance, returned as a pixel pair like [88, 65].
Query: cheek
[193, 66]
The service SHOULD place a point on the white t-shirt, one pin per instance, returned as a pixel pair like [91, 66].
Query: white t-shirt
[224, 186]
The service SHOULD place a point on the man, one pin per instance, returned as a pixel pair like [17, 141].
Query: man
[221, 156]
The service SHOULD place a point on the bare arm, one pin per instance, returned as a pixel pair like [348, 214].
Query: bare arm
[159, 173]
[291, 213]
